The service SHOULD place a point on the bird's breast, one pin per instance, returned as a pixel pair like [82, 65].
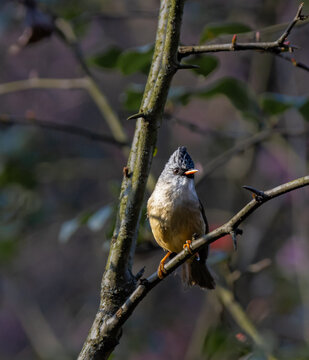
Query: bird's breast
[174, 219]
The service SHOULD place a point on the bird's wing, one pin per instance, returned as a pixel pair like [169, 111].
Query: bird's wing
[204, 217]
[203, 253]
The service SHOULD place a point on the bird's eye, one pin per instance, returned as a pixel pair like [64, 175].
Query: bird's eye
[176, 171]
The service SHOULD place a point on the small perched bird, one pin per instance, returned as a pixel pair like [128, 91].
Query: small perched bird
[176, 216]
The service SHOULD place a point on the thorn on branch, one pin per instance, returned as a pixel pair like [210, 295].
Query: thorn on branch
[276, 47]
[186, 66]
[138, 115]
[140, 273]
[144, 282]
[258, 195]
[234, 234]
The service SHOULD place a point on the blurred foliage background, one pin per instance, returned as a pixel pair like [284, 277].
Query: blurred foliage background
[244, 119]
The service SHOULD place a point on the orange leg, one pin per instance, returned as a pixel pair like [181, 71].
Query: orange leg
[187, 246]
[161, 270]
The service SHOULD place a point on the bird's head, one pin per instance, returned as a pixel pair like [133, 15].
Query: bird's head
[180, 167]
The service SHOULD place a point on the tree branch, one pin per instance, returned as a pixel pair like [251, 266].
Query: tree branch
[294, 62]
[123, 313]
[118, 282]
[196, 129]
[276, 47]
[66, 33]
[85, 83]
[119, 293]
[8, 120]
[246, 144]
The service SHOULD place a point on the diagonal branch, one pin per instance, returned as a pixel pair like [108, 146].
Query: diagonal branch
[115, 322]
[246, 144]
[288, 30]
[294, 62]
[277, 47]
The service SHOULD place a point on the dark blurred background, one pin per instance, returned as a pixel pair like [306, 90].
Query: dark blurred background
[59, 190]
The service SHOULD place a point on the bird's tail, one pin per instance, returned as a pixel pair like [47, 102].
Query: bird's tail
[195, 272]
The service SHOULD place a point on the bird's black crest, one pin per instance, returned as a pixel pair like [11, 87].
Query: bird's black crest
[182, 159]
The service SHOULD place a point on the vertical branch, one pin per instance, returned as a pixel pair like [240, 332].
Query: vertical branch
[118, 281]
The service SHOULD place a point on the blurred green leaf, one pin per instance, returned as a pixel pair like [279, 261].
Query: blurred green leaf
[272, 106]
[207, 64]
[236, 91]
[133, 97]
[220, 344]
[97, 220]
[215, 340]
[135, 60]
[214, 30]
[128, 62]
[107, 59]
[275, 104]
[18, 171]
[8, 248]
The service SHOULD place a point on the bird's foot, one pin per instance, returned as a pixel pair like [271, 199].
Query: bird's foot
[161, 270]
[187, 246]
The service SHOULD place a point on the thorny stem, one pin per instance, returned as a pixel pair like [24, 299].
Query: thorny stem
[277, 47]
[146, 285]
[118, 281]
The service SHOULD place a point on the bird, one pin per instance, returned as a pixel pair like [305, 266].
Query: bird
[177, 216]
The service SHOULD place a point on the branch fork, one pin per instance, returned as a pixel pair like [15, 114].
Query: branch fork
[276, 47]
[115, 322]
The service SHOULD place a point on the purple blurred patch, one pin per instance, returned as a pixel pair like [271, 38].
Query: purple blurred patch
[293, 256]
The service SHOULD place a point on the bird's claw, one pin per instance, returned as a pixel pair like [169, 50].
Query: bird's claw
[161, 271]
[187, 246]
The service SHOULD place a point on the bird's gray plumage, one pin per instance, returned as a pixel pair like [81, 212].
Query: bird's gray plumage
[175, 214]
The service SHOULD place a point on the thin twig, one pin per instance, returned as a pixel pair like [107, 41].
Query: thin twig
[277, 47]
[65, 32]
[114, 323]
[85, 83]
[42, 83]
[288, 30]
[7, 120]
[199, 130]
[245, 145]
[294, 62]
[241, 318]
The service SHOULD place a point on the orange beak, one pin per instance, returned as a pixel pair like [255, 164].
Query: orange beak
[192, 171]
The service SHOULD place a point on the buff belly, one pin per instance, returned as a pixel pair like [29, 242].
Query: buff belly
[171, 229]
